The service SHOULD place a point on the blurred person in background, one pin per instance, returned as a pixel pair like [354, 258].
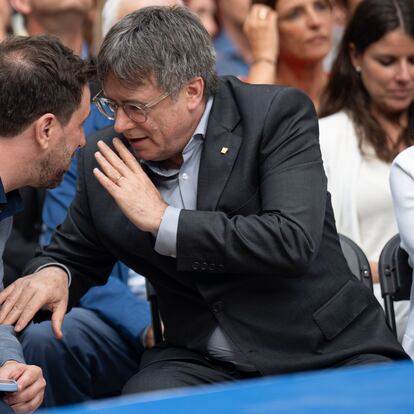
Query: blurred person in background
[206, 11]
[231, 44]
[63, 18]
[114, 10]
[289, 41]
[367, 119]
[5, 16]
[402, 189]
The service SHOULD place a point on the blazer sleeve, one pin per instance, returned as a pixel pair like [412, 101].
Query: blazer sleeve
[286, 234]
[76, 243]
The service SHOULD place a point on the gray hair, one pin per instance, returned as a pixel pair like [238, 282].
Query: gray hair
[166, 44]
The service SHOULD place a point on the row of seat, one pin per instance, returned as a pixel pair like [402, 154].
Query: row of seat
[394, 272]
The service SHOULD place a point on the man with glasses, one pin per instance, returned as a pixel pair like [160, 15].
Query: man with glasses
[215, 191]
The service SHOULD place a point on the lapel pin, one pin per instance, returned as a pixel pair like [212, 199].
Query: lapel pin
[224, 150]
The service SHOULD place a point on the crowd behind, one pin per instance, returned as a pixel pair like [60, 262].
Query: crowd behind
[354, 60]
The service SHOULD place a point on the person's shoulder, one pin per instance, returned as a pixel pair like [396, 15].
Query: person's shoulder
[405, 160]
[336, 128]
[334, 120]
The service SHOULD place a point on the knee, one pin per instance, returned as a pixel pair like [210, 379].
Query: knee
[149, 379]
[38, 336]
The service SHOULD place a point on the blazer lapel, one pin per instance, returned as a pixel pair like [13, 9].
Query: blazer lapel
[220, 150]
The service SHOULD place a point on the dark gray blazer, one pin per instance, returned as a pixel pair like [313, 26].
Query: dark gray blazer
[260, 255]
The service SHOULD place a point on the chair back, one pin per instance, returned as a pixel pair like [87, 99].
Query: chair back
[395, 277]
[357, 261]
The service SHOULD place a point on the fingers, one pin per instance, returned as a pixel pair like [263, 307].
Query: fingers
[30, 293]
[57, 319]
[19, 303]
[31, 389]
[105, 182]
[126, 156]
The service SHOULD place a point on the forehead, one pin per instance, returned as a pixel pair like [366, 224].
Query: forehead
[119, 92]
[396, 42]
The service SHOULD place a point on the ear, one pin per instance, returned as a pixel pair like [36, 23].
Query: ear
[46, 128]
[194, 92]
[355, 57]
[22, 6]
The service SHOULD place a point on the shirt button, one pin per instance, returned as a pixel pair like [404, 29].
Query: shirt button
[185, 176]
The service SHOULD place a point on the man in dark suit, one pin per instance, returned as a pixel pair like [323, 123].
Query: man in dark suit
[217, 194]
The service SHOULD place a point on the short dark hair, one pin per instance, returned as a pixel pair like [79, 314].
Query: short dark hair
[373, 19]
[38, 75]
[168, 44]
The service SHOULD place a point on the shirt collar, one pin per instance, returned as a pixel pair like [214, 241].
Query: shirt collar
[10, 203]
[202, 125]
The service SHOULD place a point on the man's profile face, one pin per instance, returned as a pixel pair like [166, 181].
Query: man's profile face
[168, 127]
[69, 138]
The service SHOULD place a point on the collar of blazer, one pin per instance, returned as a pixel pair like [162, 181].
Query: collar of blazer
[221, 146]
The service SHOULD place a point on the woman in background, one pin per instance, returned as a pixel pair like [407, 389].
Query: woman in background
[368, 119]
[289, 41]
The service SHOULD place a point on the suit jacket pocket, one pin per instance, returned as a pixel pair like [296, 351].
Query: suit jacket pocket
[341, 310]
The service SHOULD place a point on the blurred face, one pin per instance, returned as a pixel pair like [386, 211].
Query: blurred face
[69, 138]
[129, 6]
[5, 13]
[387, 72]
[305, 28]
[205, 10]
[169, 124]
[234, 10]
[56, 6]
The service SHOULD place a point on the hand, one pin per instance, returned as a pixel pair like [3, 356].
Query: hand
[127, 183]
[23, 298]
[260, 28]
[149, 337]
[374, 272]
[31, 386]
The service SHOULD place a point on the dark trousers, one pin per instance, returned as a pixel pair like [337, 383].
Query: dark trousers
[4, 408]
[168, 367]
[91, 361]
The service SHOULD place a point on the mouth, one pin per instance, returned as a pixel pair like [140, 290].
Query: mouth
[317, 39]
[401, 93]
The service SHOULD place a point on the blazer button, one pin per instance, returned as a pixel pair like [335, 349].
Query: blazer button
[204, 266]
[211, 267]
[196, 266]
[217, 306]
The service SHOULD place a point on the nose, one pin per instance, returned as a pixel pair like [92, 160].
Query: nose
[312, 18]
[122, 121]
[404, 72]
